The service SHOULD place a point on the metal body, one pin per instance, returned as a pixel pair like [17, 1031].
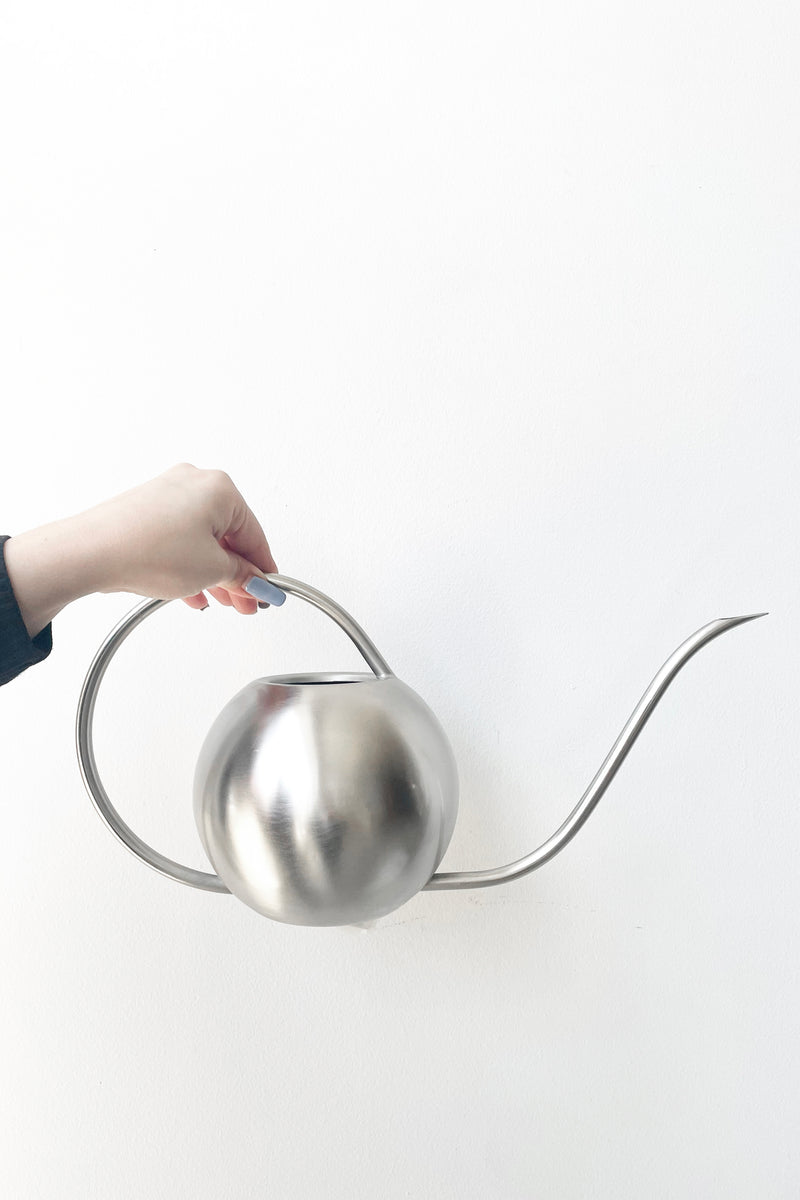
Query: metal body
[326, 800]
[322, 799]
[331, 799]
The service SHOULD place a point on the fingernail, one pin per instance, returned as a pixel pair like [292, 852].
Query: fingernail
[205, 606]
[263, 604]
[262, 589]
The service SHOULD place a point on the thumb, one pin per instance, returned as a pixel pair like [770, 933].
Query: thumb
[237, 571]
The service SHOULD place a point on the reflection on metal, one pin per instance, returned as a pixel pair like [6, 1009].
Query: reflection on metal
[335, 804]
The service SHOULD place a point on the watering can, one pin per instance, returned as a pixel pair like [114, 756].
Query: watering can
[330, 799]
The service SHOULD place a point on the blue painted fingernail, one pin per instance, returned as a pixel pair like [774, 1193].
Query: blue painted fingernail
[263, 590]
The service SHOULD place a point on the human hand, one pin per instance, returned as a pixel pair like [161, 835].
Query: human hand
[183, 531]
[171, 537]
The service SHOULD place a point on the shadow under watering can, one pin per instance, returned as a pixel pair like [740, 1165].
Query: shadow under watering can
[330, 799]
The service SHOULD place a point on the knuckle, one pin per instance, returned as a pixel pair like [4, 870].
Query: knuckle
[222, 479]
[218, 483]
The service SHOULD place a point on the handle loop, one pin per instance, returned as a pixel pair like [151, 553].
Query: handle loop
[86, 704]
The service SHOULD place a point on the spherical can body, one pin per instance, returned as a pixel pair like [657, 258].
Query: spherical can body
[325, 799]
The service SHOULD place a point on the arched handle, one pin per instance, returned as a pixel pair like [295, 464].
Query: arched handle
[446, 880]
[83, 725]
[364, 644]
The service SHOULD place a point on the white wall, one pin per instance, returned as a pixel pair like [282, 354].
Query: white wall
[492, 314]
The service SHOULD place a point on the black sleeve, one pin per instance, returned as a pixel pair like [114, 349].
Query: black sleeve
[17, 649]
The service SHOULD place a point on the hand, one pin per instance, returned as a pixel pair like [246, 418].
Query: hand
[170, 538]
[183, 531]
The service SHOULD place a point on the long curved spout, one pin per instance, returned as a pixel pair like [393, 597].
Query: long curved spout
[586, 805]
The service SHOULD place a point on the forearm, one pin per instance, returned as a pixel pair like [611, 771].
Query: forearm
[53, 565]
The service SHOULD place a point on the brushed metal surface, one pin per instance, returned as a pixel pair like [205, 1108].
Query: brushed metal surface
[330, 799]
[327, 801]
[321, 799]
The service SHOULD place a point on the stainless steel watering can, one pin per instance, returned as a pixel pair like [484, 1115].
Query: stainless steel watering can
[330, 799]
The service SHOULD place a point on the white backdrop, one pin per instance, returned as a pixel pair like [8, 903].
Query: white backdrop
[491, 312]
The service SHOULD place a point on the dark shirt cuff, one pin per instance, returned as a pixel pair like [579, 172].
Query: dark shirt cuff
[17, 649]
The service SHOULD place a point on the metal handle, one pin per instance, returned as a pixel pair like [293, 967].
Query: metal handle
[366, 647]
[446, 880]
[83, 725]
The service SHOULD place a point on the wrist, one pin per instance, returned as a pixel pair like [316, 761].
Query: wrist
[51, 566]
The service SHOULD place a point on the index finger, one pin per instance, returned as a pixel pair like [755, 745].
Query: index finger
[248, 539]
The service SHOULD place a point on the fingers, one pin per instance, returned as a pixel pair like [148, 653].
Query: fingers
[234, 571]
[249, 541]
[221, 595]
[241, 548]
[247, 606]
[197, 601]
[244, 604]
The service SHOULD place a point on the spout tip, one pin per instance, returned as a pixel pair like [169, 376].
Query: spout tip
[742, 620]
